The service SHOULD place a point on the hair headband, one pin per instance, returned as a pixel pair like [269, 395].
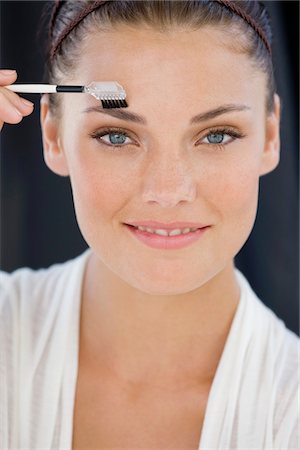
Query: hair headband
[92, 6]
[240, 12]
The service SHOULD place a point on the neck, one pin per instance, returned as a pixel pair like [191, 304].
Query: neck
[138, 336]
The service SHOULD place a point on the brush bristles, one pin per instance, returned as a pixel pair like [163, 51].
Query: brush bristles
[114, 103]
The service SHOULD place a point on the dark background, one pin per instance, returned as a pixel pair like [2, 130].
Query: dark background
[38, 224]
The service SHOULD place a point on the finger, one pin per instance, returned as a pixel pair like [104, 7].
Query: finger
[7, 77]
[25, 107]
[12, 107]
[10, 112]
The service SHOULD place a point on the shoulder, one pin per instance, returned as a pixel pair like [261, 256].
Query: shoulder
[34, 286]
[38, 311]
[262, 322]
[286, 389]
[280, 346]
[277, 351]
[28, 296]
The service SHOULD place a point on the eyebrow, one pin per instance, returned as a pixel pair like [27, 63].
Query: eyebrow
[133, 117]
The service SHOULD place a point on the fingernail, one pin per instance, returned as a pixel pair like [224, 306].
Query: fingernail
[26, 102]
[7, 72]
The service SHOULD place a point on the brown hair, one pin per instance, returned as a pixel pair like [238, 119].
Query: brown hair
[71, 20]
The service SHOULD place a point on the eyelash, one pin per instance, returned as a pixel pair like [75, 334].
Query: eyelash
[226, 131]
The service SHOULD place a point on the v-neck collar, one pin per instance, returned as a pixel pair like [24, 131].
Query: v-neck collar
[71, 373]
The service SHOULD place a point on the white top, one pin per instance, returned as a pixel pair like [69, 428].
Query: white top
[253, 402]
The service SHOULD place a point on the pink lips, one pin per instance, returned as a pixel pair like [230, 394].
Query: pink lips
[167, 242]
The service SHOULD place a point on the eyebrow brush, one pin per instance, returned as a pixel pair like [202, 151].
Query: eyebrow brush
[110, 93]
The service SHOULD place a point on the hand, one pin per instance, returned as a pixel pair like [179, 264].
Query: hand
[12, 107]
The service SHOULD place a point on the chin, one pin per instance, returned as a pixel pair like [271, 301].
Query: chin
[170, 285]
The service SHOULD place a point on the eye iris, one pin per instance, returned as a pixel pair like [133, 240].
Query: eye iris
[215, 138]
[116, 138]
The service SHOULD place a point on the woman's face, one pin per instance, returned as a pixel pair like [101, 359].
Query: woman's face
[169, 168]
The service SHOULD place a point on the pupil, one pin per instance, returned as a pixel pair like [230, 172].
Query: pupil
[116, 138]
[215, 138]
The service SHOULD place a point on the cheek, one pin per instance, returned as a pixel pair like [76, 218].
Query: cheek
[234, 197]
[101, 187]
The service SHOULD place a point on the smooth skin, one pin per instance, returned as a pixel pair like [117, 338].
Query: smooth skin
[154, 322]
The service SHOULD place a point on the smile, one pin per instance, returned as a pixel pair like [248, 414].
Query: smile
[163, 232]
[160, 238]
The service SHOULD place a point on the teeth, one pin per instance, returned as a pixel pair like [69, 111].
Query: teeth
[167, 233]
[142, 228]
[176, 232]
[161, 232]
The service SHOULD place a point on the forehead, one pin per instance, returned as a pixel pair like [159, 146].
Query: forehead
[178, 65]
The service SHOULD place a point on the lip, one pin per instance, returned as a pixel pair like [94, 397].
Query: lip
[166, 242]
[166, 226]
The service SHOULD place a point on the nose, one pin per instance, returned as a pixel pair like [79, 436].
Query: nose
[169, 181]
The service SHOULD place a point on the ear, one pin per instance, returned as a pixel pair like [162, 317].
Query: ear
[271, 153]
[54, 155]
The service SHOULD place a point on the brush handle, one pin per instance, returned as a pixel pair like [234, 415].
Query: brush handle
[32, 88]
[43, 88]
